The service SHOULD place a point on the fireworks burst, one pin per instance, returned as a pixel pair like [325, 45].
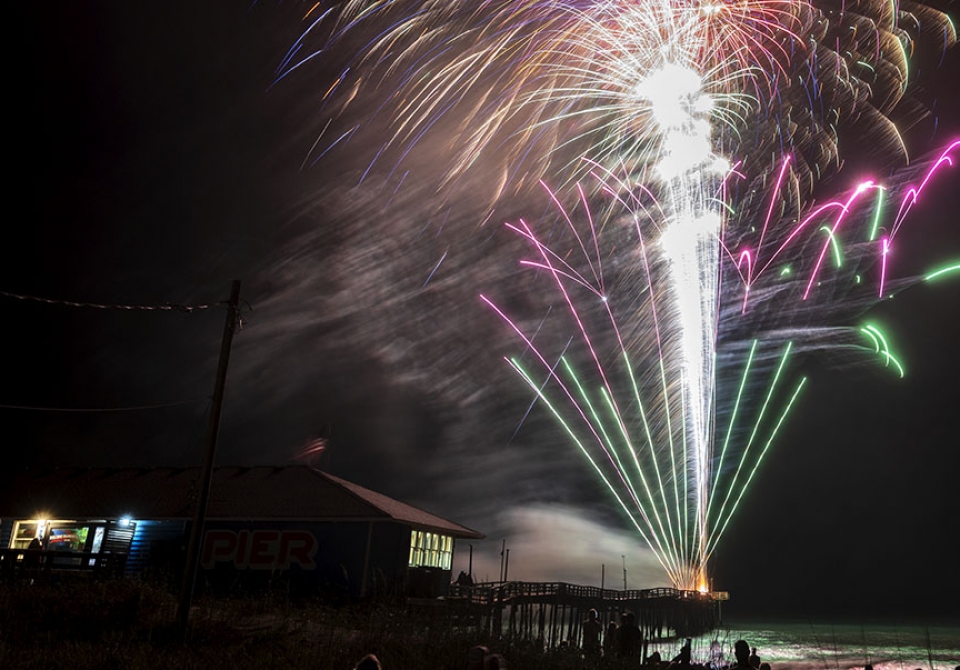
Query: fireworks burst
[621, 387]
[543, 83]
[643, 106]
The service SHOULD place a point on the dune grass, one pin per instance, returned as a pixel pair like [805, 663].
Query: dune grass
[129, 624]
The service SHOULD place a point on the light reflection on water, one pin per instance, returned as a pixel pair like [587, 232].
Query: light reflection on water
[838, 647]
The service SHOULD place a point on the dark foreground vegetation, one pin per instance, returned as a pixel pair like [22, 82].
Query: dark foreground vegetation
[129, 624]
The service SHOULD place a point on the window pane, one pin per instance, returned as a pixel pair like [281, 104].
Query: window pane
[430, 550]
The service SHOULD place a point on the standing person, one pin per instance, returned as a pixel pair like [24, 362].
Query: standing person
[754, 659]
[32, 559]
[716, 654]
[591, 634]
[611, 644]
[629, 635]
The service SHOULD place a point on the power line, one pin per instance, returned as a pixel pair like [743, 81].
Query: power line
[166, 307]
[96, 409]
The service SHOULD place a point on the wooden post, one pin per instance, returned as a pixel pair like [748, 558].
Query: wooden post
[503, 552]
[206, 472]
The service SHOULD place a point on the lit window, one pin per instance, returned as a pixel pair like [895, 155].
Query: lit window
[55, 534]
[24, 532]
[430, 550]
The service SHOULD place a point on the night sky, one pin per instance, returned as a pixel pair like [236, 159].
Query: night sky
[161, 163]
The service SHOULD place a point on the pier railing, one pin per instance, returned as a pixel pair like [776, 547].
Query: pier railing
[488, 592]
[15, 563]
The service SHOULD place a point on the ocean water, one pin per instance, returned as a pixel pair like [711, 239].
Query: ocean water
[809, 646]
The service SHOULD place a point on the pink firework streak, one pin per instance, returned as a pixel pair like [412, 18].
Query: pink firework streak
[835, 212]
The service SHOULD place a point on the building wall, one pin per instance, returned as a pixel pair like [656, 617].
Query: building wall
[6, 528]
[328, 555]
[332, 556]
[158, 549]
[389, 557]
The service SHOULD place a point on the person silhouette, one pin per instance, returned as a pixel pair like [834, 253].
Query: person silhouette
[476, 656]
[611, 645]
[368, 662]
[682, 660]
[31, 560]
[741, 651]
[629, 635]
[591, 633]
[494, 662]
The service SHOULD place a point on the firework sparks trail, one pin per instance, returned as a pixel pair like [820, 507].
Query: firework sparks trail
[632, 415]
[542, 80]
[658, 91]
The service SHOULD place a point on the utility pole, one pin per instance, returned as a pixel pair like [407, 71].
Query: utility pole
[624, 559]
[206, 471]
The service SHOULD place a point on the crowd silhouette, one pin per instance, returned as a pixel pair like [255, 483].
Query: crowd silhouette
[616, 647]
